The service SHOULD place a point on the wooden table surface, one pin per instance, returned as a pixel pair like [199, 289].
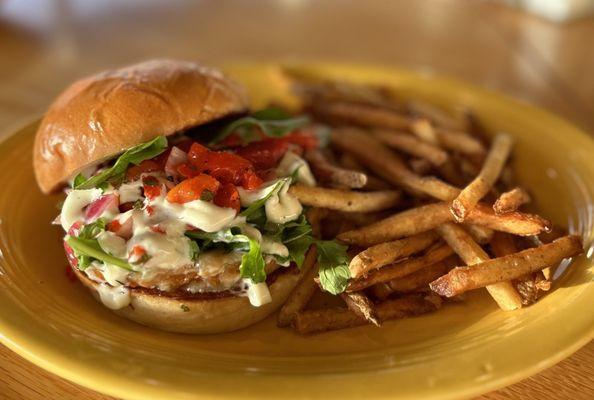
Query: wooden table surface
[45, 45]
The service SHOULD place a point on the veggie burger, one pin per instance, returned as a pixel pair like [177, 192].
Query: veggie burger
[177, 212]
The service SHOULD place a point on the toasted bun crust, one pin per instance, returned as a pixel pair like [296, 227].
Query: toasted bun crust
[103, 115]
[203, 316]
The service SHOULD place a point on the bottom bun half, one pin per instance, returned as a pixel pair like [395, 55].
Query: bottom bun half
[200, 315]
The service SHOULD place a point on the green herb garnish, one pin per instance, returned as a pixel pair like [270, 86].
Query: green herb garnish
[273, 122]
[115, 173]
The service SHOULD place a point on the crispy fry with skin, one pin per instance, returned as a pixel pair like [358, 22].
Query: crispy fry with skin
[314, 321]
[360, 304]
[480, 234]
[386, 253]
[427, 217]
[400, 269]
[527, 286]
[381, 291]
[302, 292]
[388, 165]
[362, 115]
[456, 141]
[480, 186]
[471, 253]
[363, 219]
[420, 166]
[408, 144]
[336, 176]
[435, 114]
[419, 279]
[314, 217]
[513, 266]
[373, 182]
[345, 200]
[511, 201]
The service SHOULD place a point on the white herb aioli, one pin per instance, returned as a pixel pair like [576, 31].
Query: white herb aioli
[114, 298]
[171, 250]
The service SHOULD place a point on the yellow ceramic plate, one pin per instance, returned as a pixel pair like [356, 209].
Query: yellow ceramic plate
[463, 350]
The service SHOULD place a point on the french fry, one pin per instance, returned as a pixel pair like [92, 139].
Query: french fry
[410, 145]
[381, 291]
[460, 142]
[511, 201]
[388, 165]
[315, 321]
[360, 304]
[527, 286]
[314, 217]
[332, 174]
[420, 166]
[419, 279]
[400, 269]
[423, 129]
[362, 115]
[513, 266]
[439, 117]
[386, 253]
[373, 182]
[480, 234]
[456, 141]
[504, 293]
[427, 217]
[480, 186]
[302, 292]
[363, 219]
[345, 200]
[318, 91]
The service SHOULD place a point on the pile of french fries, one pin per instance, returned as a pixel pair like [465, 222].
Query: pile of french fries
[427, 204]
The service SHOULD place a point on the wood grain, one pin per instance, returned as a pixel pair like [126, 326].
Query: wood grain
[45, 45]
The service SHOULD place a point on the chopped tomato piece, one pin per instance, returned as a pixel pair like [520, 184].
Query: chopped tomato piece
[194, 188]
[264, 154]
[151, 187]
[137, 254]
[228, 196]
[232, 140]
[157, 229]
[114, 226]
[251, 180]
[302, 138]
[196, 150]
[149, 210]
[187, 170]
[224, 166]
[144, 167]
[121, 229]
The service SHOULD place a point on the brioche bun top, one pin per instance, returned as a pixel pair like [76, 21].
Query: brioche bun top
[105, 114]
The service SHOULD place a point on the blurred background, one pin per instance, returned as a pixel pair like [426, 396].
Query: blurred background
[538, 50]
[541, 51]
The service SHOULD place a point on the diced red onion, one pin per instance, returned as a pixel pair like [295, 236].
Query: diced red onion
[99, 206]
[176, 157]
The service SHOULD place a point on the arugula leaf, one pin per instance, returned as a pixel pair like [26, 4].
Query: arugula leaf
[333, 262]
[252, 263]
[78, 180]
[135, 156]
[272, 122]
[194, 250]
[92, 230]
[90, 248]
